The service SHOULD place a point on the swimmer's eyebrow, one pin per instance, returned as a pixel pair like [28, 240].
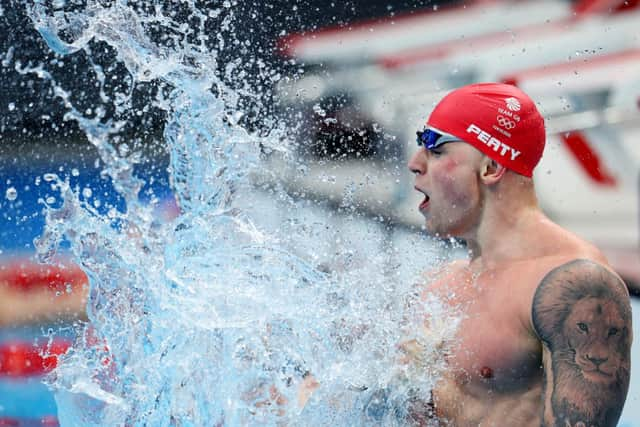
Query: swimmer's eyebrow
[582, 315]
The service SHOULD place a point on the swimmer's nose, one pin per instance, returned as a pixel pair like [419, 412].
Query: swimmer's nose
[417, 164]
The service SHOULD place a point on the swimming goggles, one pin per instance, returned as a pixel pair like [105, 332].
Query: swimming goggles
[430, 138]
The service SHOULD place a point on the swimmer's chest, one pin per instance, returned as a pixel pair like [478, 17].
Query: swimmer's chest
[494, 347]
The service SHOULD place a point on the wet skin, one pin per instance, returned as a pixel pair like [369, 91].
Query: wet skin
[546, 330]
[497, 373]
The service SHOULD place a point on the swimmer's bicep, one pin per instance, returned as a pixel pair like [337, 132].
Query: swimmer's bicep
[582, 315]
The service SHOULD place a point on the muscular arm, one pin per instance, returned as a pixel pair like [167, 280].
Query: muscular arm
[581, 313]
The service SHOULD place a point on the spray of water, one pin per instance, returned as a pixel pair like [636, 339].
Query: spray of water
[215, 318]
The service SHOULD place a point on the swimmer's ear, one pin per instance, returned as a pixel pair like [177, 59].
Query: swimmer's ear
[491, 171]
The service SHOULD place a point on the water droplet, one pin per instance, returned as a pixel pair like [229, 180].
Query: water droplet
[124, 150]
[319, 111]
[327, 178]
[11, 106]
[86, 192]
[50, 200]
[11, 194]
[68, 288]
[50, 177]
[75, 172]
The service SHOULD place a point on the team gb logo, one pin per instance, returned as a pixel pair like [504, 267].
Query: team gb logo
[513, 104]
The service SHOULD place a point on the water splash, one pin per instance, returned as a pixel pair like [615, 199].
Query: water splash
[213, 318]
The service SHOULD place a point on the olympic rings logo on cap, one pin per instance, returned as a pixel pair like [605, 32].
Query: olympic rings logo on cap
[506, 123]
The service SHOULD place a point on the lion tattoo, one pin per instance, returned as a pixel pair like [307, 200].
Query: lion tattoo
[582, 314]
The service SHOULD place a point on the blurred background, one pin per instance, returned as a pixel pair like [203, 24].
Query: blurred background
[352, 81]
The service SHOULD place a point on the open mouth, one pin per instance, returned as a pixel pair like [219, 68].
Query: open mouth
[425, 201]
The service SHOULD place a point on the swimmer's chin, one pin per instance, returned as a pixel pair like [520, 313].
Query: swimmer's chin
[440, 235]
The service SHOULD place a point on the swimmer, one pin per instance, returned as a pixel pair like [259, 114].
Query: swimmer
[546, 334]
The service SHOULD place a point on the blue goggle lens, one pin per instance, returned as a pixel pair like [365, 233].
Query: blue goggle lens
[431, 139]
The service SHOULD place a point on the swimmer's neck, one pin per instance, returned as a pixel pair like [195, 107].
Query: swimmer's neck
[505, 233]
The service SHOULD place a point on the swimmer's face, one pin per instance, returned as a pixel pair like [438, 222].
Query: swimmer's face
[448, 177]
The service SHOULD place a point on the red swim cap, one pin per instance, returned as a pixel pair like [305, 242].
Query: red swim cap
[498, 119]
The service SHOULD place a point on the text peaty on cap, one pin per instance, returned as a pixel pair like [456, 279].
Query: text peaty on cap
[498, 119]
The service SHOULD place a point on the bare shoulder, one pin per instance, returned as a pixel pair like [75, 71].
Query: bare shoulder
[571, 283]
[582, 315]
[579, 278]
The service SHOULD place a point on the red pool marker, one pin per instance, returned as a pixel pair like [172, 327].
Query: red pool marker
[585, 7]
[47, 421]
[22, 359]
[27, 275]
[588, 159]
